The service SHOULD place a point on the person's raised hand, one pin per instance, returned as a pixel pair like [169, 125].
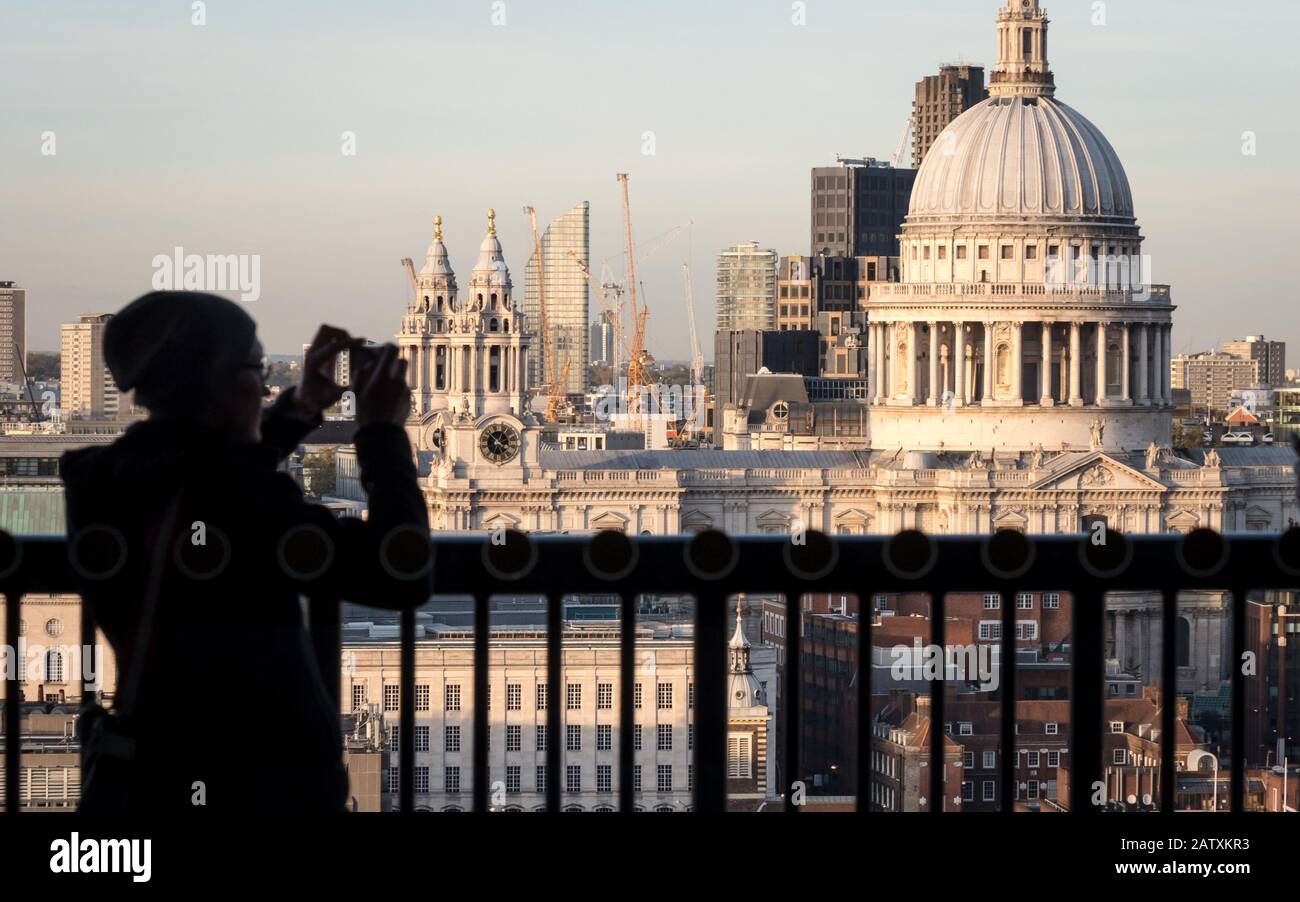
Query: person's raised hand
[382, 393]
[317, 389]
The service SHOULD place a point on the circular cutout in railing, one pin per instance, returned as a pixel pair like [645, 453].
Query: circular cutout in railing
[711, 555]
[911, 554]
[510, 559]
[97, 552]
[1202, 553]
[610, 555]
[1007, 554]
[812, 558]
[1106, 554]
[406, 553]
[305, 552]
[204, 556]
[11, 555]
[1287, 551]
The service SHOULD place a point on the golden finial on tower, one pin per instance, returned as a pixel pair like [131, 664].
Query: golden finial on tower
[492, 223]
[437, 227]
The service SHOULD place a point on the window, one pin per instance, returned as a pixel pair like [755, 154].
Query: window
[392, 698]
[636, 778]
[968, 760]
[961, 252]
[358, 696]
[391, 782]
[422, 739]
[1053, 759]
[451, 735]
[636, 738]
[53, 627]
[512, 779]
[541, 737]
[992, 602]
[664, 782]
[943, 252]
[1052, 601]
[422, 779]
[1008, 252]
[514, 736]
[968, 791]
[690, 736]
[690, 695]
[965, 728]
[451, 779]
[636, 696]
[1033, 760]
[604, 696]
[573, 696]
[422, 697]
[990, 629]
[1033, 789]
[541, 778]
[394, 740]
[1026, 629]
[514, 696]
[1031, 252]
[664, 696]
[1119, 756]
[990, 760]
[541, 696]
[665, 738]
[572, 738]
[1053, 728]
[1024, 602]
[573, 778]
[451, 696]
[604, 737]
[989, 794]
[983, 251]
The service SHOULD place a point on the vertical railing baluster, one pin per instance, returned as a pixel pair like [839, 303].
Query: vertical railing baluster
[1240, 598]
[406, 713]
[866, 608]
[1088, 693]
[710, 697]
[938, 792]
[13, 709]
[1007, 686]
[1169, 700]
[626, 713]
[793, 695]
[554, 699]
[482, 635]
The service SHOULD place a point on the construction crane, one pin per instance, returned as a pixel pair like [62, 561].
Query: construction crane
[908, 128]
[554, 385]
[409, 265]
[697, 356]
[611, 294]
[636, 376]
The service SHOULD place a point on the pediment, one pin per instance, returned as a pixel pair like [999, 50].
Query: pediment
[852, 517]
[698, 520]
[501, 519]
[610, 520]
[1101, 472]
[1183, 517]
[773, 518]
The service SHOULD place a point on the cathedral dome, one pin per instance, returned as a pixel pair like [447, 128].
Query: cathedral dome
[1021, 156]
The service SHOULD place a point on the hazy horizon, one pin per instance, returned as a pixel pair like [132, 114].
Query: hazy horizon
[226, 138]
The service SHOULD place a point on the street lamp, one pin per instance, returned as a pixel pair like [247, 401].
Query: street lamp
[1194, 759]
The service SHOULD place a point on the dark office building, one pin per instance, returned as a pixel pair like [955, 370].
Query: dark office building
[939, 100]
[742, 354]
[858, 208]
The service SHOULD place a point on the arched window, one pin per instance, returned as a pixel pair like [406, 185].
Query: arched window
[53, 666]
[494, 302]
[441, 303]
[505, 325]
[494, 325]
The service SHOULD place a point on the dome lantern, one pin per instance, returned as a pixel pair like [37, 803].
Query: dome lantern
[1022, 69]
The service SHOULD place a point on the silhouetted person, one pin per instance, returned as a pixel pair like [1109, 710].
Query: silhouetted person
[230, 694]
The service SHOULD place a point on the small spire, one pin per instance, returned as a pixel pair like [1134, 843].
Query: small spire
[492, 223]
[437, 227]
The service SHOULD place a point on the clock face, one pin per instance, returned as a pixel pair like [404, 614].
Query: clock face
[499, 443]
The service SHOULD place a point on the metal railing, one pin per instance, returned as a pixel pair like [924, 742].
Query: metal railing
[711, 567]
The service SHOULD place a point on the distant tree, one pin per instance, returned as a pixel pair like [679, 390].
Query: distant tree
[42, 365]
[318, 473]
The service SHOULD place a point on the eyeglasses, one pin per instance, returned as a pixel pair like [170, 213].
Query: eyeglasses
[262, 366]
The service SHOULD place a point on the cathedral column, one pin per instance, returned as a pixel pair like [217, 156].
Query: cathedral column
[932, 392]
[1165, 348]
[1125, 377]
[959, 363]
[1045, 373]
[1101, 363]
[1076, 366]
[987, 381]
[913, 359]
[1143, 385]
[1121, 638]
[1018, 362]
[874, 361]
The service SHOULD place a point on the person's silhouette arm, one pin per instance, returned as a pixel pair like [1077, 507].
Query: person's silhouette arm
[299, 409]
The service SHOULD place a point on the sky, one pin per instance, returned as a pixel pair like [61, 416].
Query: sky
[227, 137]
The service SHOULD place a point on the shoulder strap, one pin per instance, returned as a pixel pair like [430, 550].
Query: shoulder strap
[128, 691]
